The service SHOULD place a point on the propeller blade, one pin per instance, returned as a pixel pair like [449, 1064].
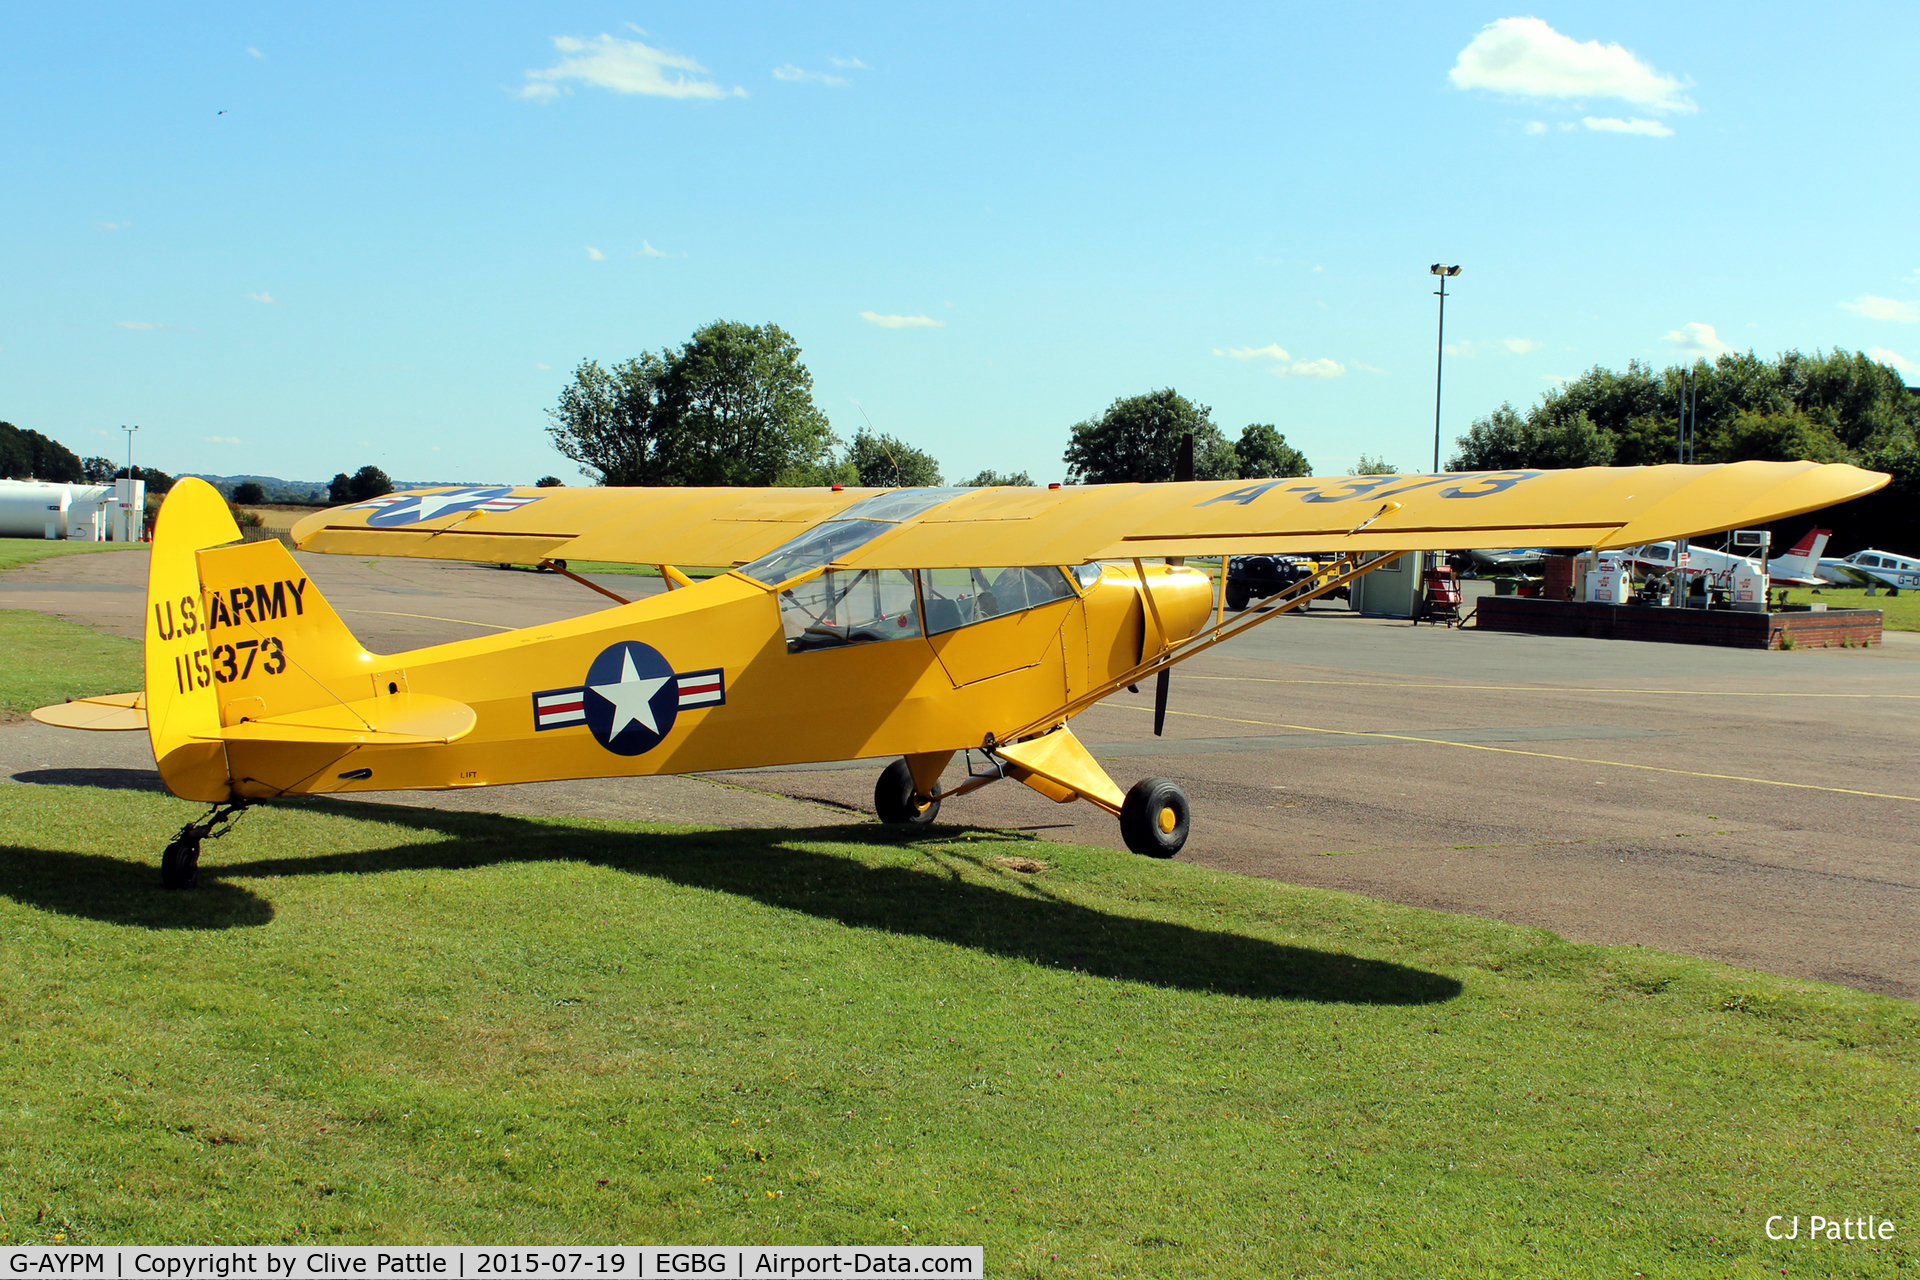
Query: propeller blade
[1160, 699]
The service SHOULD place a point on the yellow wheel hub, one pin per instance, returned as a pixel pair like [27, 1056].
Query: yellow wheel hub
[1168, 820]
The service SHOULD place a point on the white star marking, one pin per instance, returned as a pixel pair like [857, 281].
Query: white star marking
[432, 504]
[632, 697]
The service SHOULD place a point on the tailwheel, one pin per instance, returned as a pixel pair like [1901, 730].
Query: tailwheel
[180, 863]
[1154, 818]
[895, 801]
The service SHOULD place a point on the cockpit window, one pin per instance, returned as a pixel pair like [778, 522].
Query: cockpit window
[956, 598]
[1087, 574]
[842, 607]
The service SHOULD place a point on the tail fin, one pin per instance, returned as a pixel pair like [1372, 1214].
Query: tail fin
[1803, 561]
[235, 634]
[183, 709]
[1805, 546]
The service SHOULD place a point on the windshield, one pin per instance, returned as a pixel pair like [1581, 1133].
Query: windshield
[901, 504]
[858, 525]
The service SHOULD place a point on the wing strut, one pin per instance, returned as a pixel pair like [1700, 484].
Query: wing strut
[1347, 569]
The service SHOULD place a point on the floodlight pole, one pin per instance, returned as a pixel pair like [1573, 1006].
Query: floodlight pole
[1445, 273]
[126, 502]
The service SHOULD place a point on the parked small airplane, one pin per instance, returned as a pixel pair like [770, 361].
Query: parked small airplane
[908, 623]
[1871, 568]
[1513, 558]
[1798, 567]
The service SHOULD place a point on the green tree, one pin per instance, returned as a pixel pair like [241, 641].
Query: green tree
[1770, 436]
[249, 492]
[990, 478]
[368, 482]
[1262, 453]
[734, 406]
[549, 482]
[1138, 439]
[1506, 441]
[1368, 466]
[157, 482]
[340, 488]
[28, 455]
[881, 461]
[97, 470]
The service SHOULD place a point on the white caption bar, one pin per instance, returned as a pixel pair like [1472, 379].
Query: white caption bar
[374, 1262]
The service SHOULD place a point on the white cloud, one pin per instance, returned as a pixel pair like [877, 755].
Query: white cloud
[255, 52]
[113, 226]
[848, 63]
[623, 66]
[1696, 339]
[1520, 346]
[1368, 368]
[1883, 309]
[221, 439]
[799, 75]
[1272, 351]
[1526, 58]
[646, 250]
[539, 365]
[1321, 368]
[1895, 359]
[262, 296]
[902, 322]
[1534, 128]
[1613, 124]
[595, 254]
[142, 325]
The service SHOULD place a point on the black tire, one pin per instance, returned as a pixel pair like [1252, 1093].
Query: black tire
[1154, 818]
[180, 864]
[1237, 594]
[894, 801]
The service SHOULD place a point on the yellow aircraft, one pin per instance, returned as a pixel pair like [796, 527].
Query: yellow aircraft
[856, 623]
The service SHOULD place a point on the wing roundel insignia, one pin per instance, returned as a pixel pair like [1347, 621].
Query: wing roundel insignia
[411, 508]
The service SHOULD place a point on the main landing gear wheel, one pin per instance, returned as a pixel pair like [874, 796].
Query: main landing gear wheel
[894, 800]
[180, 864]
[1154, 818]
[1238, 596]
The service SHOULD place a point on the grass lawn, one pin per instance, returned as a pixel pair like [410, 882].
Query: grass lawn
[401, 1025]
[45, 660]
[1900, 613]
[18, 551]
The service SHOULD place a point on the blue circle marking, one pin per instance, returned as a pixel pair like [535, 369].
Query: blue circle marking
[631, 698]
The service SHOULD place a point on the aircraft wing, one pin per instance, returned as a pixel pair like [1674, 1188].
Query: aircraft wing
[505, 525]
[1591, 507]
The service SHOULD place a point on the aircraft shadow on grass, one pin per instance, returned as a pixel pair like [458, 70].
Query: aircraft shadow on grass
[1016, 916]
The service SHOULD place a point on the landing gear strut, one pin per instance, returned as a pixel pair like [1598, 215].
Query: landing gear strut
[180, 862]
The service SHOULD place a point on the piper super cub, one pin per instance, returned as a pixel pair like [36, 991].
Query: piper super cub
[857, 623]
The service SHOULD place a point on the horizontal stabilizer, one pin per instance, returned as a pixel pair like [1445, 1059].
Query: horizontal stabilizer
[399, 720]
[106, 711]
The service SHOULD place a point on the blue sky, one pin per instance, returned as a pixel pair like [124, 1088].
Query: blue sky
[981, 223]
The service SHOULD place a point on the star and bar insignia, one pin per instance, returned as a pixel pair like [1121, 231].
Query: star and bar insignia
[411, 508]
[631, 698]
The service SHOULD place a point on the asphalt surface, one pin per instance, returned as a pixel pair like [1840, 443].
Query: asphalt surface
[1753, 807]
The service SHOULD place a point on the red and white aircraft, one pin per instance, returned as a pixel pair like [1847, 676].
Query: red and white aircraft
[1798, 567]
